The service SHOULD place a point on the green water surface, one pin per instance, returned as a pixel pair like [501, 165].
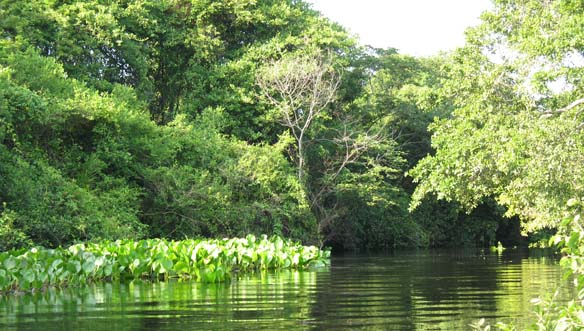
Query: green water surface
[422, 290]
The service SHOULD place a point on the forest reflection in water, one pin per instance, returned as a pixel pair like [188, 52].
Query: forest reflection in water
[411, 290]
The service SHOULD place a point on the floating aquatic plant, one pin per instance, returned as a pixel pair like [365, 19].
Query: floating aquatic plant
[210, 260]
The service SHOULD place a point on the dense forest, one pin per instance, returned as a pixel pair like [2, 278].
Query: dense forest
[179, 119]
[133, 119]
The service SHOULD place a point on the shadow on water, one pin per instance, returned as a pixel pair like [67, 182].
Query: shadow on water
[411, 290]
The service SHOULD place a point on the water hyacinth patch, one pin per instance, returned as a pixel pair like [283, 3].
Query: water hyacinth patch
[210, 260]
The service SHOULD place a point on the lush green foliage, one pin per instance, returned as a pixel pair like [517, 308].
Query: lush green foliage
[78, 165]
[553, 316]
[199, 260]
[516, 133]
[513, 136]
[132, 119]
[550, 314]
[180, 56]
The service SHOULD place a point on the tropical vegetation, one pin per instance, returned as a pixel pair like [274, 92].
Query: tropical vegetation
[199, 260]
[144, 119]
[125, 120]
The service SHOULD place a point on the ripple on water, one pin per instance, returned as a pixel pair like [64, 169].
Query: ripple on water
[430, 290]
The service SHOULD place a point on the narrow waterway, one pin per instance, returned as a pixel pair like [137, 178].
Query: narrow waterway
[412, 290]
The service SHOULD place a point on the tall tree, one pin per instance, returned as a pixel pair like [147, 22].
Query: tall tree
[300, 87]
[336, 146]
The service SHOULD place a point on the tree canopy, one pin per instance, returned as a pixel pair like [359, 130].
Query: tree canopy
[516, 131]
[186, 118]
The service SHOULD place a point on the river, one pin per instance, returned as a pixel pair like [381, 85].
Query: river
[408, 290]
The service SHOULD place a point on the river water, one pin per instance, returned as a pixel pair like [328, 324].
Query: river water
[412, 290]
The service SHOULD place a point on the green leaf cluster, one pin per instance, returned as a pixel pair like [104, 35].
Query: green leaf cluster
[513, 135]
[199, 260]
[78, 164]
[131, 119]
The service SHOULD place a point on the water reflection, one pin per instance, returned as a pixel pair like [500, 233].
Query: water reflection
[437, 290]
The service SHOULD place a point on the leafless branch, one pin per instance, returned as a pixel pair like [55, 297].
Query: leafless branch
[573, 105]
[300, 88]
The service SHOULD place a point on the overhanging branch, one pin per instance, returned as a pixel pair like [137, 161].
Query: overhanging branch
[571, 106]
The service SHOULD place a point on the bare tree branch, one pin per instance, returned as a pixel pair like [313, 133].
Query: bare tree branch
[573, 105]
[300, 88]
